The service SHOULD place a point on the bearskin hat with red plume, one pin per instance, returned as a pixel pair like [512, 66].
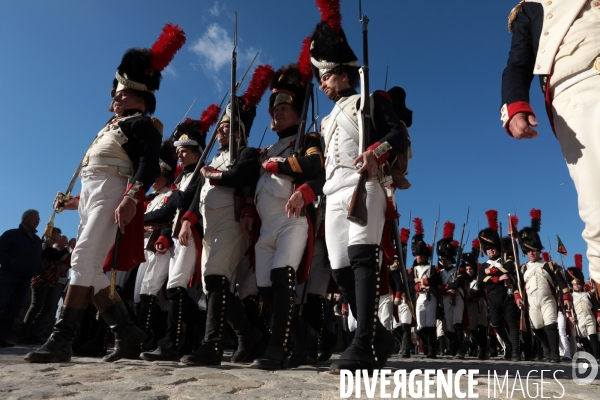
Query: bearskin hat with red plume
[329, 48]
[193, 132]
[140, 69]
[418, 245]
[488, 237]
[529, 239]
[446, 248]
[575, 274]
[249, 100]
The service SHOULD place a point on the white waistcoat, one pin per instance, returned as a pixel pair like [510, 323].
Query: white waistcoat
[217, 196]
[277, 185]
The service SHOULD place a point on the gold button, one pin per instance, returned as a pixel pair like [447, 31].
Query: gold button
[545, 33]
[539, 66]
[550, 16]
[542, 50]
[548, 3]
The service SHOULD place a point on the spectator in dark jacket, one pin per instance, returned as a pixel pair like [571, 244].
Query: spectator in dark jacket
[20, 260]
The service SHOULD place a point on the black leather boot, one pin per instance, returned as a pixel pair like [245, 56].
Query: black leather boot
[168, 346]
[58, 346]
[431, 341]
[282, 308]
[594, 345]
[211, 350]
[482, 342]
[460, 342]
[542, 338]
[304, 337]
[98, 344]
[145, 320]
[117, 316]
[247, 334]
[553, 339]
[406, 341]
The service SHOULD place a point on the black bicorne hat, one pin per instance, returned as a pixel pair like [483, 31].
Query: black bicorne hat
[446, 249]
[287, 87]
[530, 240]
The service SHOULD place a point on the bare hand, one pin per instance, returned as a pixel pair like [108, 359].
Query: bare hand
[598, 320]
[572, 318]
[160, 248]
[418, 280]
[265, 162]
[206, 170]
[185, 233]
[71, 204]
[568, 304]
[450, 291]
[519, 303]
[520, 126]
[487, 271]
[247, 224]
[125, 213]
[152, 227]
[369, 163]
[503, 277]
[294, 205]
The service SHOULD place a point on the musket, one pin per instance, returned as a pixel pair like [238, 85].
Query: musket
[182, 119]
[459, 254]
[301, 134]
[234, 123]
[263, 136]
[511, 233]
[402, 268]
[114, 265]
[386, 76]
[357, 212]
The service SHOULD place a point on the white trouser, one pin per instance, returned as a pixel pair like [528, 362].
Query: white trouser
[477, 312]
[586, 324]
[341, 233]
[245, 279]
[182, 265]
[152, 274]
[319, 275]
[542, 307]
[223, 245]
[101, 194]
[282, 240]
[386, 313]
[404, 314]
[576, 116]
[453, 312]
[426, 310]
[564, 346]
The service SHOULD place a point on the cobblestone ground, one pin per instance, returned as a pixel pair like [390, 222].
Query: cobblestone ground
[90, 378]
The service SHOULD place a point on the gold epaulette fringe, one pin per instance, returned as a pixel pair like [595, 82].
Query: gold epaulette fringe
[513, 15]
[158, 125]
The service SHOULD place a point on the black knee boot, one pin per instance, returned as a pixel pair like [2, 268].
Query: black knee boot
[406, 341]
[145, 320]
[304, 337]
[248, 335]
[460, 342]
[542, 338]
[211, 350]
[481, 337]
[594, 345]
[282, 308]
[553, 339]
[58, 346]
[97, 345]
[431, 341]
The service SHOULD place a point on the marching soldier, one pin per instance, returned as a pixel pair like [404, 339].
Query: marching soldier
[452, 290]
[540, 278]
[281, 194]
[586, 309]
[476, 303]
[226, 235]
[126, 147]
[496, 277]
[191, 136]
[425, 278]
[404, 314]
[354, 250]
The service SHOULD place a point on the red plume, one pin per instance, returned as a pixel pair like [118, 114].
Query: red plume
[448, 229]
[492, 217]
[404, 234]
[455, 243]
[475, 244]
[163, 50]
[546, 256]
[536, 219]
[579, 262]
[209, 117]
[258, 85]
[514, 220]
[418, 226]
[330, 13]
[304, 64]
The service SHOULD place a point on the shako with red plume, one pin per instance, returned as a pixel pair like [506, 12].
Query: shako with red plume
[259, 83]
[575, 274]
[445, 247]
[472, 258]
[489, 237]
[140, 68]
[475, 248]
[529, 238]
[192, 132]
[418, 245]
[329, 48]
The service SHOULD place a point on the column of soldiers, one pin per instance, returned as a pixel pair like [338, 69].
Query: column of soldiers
[250, 240]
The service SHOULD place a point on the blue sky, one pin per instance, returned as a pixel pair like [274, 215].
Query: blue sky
[59, 59]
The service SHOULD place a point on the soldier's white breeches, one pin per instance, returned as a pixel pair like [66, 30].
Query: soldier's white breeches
[223, 245]
[563, 345]
[386, 311]
[453, 313]
[426, 311]
[341, 233]
[245, 279]
[587, 325]
[282, 240]
[319, 276]
[542, 309]
[182, 265]
[152, 274]
[576, 116]
[101, 194]
[477, 313]
[404, 314]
